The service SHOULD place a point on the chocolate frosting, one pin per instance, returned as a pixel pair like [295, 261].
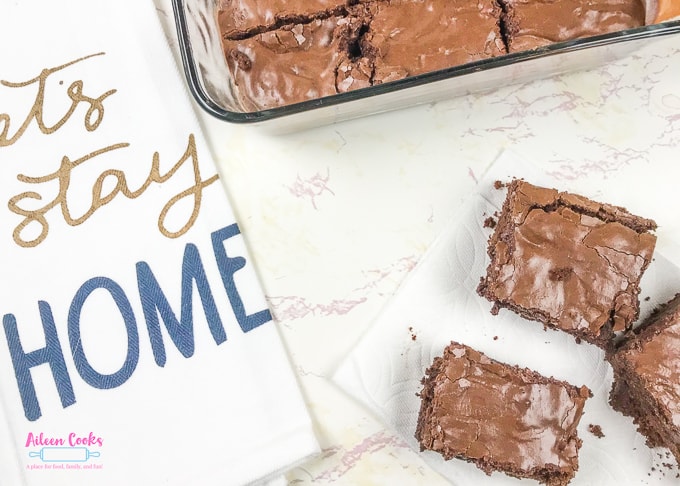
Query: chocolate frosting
[535, 23]
[500, 416]
[569, 261]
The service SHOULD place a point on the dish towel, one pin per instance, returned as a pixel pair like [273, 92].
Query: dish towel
[437, 303]
[136, 345]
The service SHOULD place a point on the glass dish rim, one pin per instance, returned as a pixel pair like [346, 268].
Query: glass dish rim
[201, 97]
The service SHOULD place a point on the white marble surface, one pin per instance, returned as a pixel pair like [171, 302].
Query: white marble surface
[337, 216]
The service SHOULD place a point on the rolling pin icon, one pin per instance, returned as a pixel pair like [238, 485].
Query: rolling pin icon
[64, 454]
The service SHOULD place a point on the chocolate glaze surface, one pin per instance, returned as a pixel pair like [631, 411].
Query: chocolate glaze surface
[395, 39]
[500, 417]
[409, 37]
[647, 377]
[568, 262]
[238, 18]
[294, 63]
[536, 23]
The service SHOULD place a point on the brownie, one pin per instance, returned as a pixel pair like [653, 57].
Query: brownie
[500, 417]
[667, 10]
[410, 37]
[647, 377]
[242, 18]
[535, 23]
[568, 262]
[280, 52]
[295, 63]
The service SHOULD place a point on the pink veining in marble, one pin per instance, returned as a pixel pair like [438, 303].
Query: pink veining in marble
[471, 173]
[612, 160]
[351, 457]
[293, 307]
[288, 308]
[401, 266]
[312, 187]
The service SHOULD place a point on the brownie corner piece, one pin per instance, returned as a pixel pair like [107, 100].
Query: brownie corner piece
[295, 63]
[647, 377]
[567, 261]
[479, 410]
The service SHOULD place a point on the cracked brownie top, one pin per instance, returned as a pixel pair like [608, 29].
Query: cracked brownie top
[500, 417]
[393, 39]
[568, 262]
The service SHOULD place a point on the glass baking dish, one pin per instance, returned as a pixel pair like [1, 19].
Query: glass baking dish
[209, 79]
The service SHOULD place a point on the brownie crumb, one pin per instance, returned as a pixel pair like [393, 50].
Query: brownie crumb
[413, 334]
[596, 430]
[495, 338]
[498, 185]
[489, 222]
[647, 299]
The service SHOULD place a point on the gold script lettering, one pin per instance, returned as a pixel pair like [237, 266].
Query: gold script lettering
[195, 191]
[93, 117]
[99, 198]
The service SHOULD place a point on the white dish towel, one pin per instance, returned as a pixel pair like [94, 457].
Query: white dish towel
[136, 344]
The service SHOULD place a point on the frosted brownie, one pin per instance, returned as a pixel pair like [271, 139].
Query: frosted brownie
[410, 37]
[535, 23]
[500, 417]
[296, 62]
[647, 378]
[568, 262]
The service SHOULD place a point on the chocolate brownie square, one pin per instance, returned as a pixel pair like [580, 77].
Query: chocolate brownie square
[535, 23]
[409, 37]
[647, 377]
[500, 417]
[568, 262]
[296, 62]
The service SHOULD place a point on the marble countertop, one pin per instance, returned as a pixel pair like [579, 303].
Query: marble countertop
[337, 216]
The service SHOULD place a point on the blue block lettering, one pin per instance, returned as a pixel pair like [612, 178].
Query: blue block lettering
[50, 354]
[228, 267]
[86, 371]
[155, 303]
